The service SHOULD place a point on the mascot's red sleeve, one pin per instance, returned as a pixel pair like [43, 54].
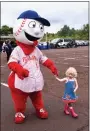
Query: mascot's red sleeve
[49, 64]
[18, 69]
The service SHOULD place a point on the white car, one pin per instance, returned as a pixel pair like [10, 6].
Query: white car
[80, 42]
[63, 43]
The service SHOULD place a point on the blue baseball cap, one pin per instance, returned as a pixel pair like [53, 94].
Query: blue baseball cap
[29, 14]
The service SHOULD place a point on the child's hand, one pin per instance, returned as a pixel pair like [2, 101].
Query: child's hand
[61, 80]
[74, 90]
[57, 78]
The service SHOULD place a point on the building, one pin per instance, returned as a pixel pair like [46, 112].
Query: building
[3, 38]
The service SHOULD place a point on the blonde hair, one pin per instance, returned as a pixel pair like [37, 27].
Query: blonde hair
[71, 71]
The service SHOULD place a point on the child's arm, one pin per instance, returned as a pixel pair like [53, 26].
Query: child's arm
[61, 80]
[76, 85]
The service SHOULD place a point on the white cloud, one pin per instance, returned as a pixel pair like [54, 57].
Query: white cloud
[73, 14]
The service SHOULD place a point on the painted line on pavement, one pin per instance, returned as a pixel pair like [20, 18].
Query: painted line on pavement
[66, 63]
[69, 58]
[3, 66]
[84, 66]
[4, 84]
[85, 56]
[78, 65]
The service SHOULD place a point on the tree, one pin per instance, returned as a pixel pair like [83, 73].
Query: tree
[5, 30]
[85, 31]
[0, 31]
[72, 32]
[65, 31]
[11, 30]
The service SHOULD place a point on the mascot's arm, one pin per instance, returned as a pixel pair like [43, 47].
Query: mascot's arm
[49, 64]
[18, 69]
[14, 65]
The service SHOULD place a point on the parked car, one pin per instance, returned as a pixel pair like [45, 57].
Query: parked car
[43, 46]
[82, 42]
[86, 43]
[78, 42]
[63, 43]
[54, 43]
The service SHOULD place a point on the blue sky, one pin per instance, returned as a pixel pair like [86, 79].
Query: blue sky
[73, 14]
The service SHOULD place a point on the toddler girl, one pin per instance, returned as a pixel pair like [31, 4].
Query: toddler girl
[71, 86]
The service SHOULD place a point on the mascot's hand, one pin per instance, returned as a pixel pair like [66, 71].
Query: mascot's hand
[54, 70]
[48, 63]
[23, 73]
[19, 70]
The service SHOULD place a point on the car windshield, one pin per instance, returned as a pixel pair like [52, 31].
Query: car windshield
[67, 40]
[55, 40]
[42, 43]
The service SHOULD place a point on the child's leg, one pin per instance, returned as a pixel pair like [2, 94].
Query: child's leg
[66, 109]
[72, 111]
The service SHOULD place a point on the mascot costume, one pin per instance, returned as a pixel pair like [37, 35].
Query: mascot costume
[25, 79]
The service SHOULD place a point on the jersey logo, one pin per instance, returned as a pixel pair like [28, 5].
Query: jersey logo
[28, 58]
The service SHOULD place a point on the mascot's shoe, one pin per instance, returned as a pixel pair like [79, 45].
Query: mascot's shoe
[66, 109]
[19, 118]
[42, 113]
[73, 112]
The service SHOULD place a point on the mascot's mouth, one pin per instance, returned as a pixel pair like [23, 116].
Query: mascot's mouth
[31, 38]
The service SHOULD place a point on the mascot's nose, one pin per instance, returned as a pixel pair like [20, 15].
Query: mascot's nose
[36, 33]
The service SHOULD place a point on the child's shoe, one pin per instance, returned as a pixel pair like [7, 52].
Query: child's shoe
[73, 112]
[66, 109]
[42, 113]
[19, 118]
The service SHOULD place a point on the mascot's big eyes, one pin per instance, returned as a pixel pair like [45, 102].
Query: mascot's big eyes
[41, 27]
[32, 24]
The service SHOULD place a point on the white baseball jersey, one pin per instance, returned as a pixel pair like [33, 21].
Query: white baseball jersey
[34, 82]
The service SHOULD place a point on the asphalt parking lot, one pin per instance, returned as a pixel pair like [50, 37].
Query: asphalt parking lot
[52, 94]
